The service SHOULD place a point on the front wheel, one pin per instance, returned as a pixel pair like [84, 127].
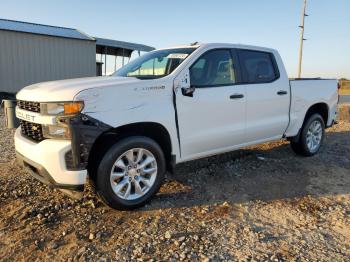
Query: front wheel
[130, 173]
[311, 136]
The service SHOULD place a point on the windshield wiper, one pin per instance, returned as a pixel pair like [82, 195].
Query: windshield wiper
[143, 77]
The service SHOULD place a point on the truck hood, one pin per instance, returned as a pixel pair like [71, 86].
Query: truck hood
[65, 90]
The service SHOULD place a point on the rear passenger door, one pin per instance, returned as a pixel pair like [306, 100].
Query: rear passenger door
[267, 96]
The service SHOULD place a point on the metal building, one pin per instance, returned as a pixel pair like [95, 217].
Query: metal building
[31, 53]
[108, 47]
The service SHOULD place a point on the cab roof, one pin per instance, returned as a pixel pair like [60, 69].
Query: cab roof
[221, 45]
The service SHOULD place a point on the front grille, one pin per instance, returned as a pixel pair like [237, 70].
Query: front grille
[32, 130]
[29, 106]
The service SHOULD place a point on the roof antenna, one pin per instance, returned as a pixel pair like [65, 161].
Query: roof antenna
[194, 43]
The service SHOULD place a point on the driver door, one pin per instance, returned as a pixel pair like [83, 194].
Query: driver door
[212, 108]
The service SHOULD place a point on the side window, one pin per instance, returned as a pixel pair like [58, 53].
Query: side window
[214, 68]
[257, 67]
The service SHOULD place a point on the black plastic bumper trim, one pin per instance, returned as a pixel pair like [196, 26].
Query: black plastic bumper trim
[85, 130]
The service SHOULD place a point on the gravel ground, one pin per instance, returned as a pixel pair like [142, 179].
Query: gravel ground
[256, 204]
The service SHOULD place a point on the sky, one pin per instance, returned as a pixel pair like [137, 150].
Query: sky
[161, 23]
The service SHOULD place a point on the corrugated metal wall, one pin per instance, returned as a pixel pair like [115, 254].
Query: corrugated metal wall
[28, 58]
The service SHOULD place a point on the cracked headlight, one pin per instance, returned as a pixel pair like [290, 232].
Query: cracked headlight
[60, 132]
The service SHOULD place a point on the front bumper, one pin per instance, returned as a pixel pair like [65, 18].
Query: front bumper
[46, 162]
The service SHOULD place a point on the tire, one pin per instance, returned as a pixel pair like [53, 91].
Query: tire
[303, 146]
[122, 182]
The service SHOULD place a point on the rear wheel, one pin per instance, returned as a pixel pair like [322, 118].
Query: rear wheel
[130, 173]
[311, 136]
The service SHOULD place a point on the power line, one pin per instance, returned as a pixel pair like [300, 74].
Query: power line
[302, 39]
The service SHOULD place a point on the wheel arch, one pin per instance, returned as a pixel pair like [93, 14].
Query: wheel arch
[106, 140]
[320, 108]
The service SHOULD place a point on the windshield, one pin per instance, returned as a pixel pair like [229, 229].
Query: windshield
[155, 64]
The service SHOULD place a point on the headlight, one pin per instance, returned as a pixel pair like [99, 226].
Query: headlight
[64, 108]
[60, 132]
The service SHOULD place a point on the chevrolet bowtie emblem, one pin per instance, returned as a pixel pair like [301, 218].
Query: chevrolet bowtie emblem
[34, 128]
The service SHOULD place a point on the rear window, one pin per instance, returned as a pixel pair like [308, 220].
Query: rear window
[257, 67]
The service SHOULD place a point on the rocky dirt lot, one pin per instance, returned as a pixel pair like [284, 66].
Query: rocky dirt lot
[260, 203]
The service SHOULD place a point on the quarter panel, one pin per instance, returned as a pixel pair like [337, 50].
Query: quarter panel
[306, 93]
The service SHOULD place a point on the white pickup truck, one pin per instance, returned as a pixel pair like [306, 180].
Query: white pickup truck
[168, 106]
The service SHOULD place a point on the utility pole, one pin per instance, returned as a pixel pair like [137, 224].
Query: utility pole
[302, 39]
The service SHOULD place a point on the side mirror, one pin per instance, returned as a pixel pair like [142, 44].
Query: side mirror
[183, 82]
[188, 91]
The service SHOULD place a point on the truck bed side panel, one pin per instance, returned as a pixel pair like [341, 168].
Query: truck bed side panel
[306, 93]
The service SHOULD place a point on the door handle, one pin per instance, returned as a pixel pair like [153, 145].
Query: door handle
[236, 96]
[282, 92]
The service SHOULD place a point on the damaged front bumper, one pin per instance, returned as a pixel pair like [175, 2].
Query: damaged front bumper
[40, 173]
[46, 162]
[61, 163]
